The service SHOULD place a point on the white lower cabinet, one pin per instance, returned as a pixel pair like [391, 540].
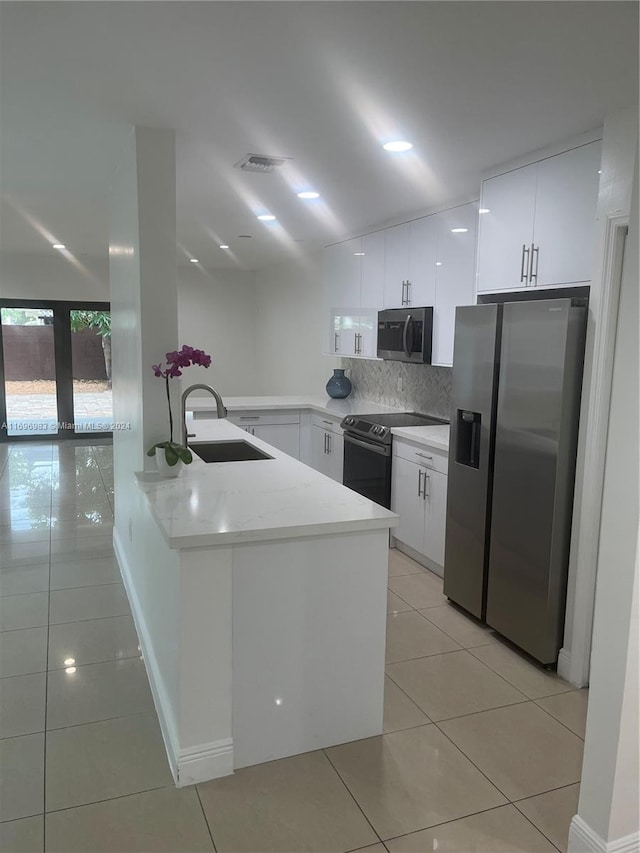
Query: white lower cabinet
[327, 450]
[419, 496]
[280, 430]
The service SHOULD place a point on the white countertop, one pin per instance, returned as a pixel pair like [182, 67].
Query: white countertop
[224, 503]
[324, 405]
[435, 437]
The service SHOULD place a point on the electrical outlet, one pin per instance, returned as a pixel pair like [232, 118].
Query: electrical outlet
[399, 383]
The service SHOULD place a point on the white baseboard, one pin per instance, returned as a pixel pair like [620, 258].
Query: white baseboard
[564, 663]
[418, 557]
[583, 839]
[160, 698]
[205, 761]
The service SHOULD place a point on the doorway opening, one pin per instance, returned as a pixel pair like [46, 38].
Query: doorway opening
[55, 370]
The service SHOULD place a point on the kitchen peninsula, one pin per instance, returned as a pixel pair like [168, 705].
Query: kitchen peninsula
[259, 593]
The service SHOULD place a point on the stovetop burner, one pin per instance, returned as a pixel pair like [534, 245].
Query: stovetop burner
[378, 427]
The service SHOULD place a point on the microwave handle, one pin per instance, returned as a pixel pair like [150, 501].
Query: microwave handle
[405, 334]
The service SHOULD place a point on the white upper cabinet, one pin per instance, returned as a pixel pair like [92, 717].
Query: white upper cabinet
[454, 267]
[409, 263]
[343, 268]
[505, 229]
[566, 202]
[396, 265]
[371, 292]
[539, 223]
[422, 262]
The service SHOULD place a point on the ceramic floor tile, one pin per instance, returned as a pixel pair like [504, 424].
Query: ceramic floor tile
[569, 708]
[419, 590]
[92, 641]
[409, 780]
[464, 629]
[395, 604]
[399, 711]
[24, 611]
[293, 804]
[89, 602]
[23, 652]
[164, 821]
[97, 692]
[19, 580]
[64, 529]
[22, 703]
[87, 572]
[24, 554]
[400, 564]
[552, 813]
[451, 685]
[532, 680]
[98, 761]
[501, 830]
[87, 547]
[22, 836]
[521, 749]
[21, 776]
[410, 635]
[21, 533]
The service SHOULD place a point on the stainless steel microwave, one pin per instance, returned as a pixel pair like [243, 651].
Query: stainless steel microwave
[405, 334]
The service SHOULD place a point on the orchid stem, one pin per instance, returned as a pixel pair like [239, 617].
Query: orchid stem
[166, 379]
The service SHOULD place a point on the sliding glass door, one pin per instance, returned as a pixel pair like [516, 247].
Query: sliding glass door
[55, 369]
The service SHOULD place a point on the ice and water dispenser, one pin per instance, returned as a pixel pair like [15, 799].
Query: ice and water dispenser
[468, 438]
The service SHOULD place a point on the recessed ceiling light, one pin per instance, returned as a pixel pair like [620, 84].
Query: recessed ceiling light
[459, 230]
[58, 246]
[398, 145]
[194, 260]
[599, 171]
[308, 194]
[438, 263]
[70, 670]
[266, 217]
[484, 210]
[223, 246]
[69, 661]
[359, 254]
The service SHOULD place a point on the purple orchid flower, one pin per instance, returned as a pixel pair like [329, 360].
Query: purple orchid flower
[177, 360]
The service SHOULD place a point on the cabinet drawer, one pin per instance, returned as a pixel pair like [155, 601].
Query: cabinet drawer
[425, 456]
[261, 418]
[327, 423]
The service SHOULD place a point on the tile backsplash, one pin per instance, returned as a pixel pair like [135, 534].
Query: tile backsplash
[425, 389]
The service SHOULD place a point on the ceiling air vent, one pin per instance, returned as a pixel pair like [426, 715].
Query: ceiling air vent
[260, 163]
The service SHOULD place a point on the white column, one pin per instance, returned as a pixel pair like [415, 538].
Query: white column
[608, 816]
[142, 272]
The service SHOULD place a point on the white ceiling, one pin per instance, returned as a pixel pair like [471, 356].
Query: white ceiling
[472, 84]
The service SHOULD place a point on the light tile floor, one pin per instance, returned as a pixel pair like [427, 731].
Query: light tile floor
[481, 752]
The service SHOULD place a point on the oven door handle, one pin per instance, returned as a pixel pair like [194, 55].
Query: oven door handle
[380, 449]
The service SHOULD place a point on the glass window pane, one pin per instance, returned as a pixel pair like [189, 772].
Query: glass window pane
[29, 371]
[91, 367]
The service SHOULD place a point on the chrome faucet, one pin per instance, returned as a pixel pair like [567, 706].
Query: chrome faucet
[222, 412]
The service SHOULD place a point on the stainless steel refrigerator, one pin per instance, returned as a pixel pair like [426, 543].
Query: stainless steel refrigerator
[517, 377]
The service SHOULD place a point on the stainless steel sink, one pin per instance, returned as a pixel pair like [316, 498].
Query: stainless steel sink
[227, 451]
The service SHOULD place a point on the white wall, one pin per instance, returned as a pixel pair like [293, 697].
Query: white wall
[289, 329]
[620, 140]
[53, 275]
[217, 313]
[609, 793]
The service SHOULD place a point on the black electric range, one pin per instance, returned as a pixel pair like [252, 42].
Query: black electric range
[367, 451]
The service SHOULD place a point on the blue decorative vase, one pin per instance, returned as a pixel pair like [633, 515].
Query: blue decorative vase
[339, 385]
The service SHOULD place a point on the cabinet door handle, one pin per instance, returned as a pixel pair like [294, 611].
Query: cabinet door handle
[408, 283]
[426, 494]
[335, 342]
[420, 472]
[249, 417]
[359, 337]
[535, 254]
[524, 265]
[324, 450]
[328, 442]
[424, 455]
